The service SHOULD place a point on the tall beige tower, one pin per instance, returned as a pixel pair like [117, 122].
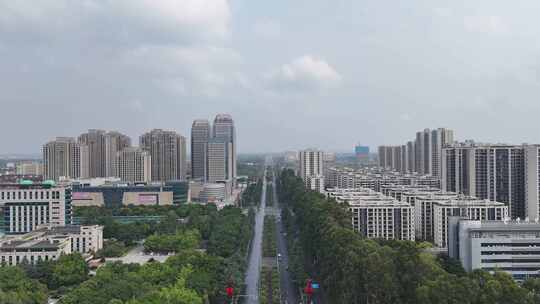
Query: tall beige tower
[64, 157]
[134, 165]
[168, 153]
[114, 143]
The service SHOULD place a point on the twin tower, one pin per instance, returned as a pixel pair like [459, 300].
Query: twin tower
[213, 150]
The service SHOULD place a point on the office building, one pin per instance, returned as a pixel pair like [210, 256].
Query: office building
[217, 161]
[504, 173]
[311, 168]
[133, 165]
[509, 246]
[168, 153]
[200, 136]
[64, 157]
[48, 243]
[224, 130]
[26, 205]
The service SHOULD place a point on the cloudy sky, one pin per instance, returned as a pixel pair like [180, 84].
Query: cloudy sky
[294, 74]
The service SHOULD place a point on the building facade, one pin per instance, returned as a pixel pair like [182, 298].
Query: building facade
[224, 130]
[200, 135]
[509, 246]
[64, 157]
[504, 173]
[25, 206]
[311, 166]
[133, 165]
[168, 153]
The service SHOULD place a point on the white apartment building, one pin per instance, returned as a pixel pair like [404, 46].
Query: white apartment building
[49, 243]
[432, 214]
[375, 215]
[312, 168]
[25, 206]
[510, 246]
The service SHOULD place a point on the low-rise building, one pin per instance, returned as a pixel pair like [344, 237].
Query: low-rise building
[510, 246]
[49, 243]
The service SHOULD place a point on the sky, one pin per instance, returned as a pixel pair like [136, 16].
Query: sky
[293, 74]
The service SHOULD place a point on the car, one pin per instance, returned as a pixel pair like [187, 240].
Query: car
[279, 255]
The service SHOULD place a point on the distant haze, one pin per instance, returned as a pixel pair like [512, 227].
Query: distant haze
[293, 74]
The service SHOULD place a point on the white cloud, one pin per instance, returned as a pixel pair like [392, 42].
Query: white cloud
[485, 24]
[305, 73]
[117, 20]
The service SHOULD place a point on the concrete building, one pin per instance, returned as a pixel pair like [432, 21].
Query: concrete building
[217, 161]
[25, 206]
[64, 157]
[133, 165]
[168, 153]
[213, 192]
[224, 130]
[411, 161]
[504, 173]
[48, 243]
[509, 246]
[311, 168]
[114, 143]
[440, 138]
[432, 214]
[200, 135]
[95, 141]
[375, 215]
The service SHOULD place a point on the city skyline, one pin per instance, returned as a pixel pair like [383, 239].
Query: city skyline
[435, 63]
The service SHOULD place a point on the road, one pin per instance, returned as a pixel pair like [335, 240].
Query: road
[255, 257]
[288, 291]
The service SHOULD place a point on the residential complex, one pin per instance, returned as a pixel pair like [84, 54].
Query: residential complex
[504, 173]
[134, 165]
[168, 153]
[64, 157]
[375, 215]
[423, 155]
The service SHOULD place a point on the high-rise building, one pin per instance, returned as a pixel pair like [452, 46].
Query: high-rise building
[217, 161]
[64, 157]
[102, 149]
[168, 153]
[411, 161]
[95, 141]
[134, 165]
[200, 135]
[114, 142]
[312, 168]
[439, 138]
[224, 130]
[504, 173]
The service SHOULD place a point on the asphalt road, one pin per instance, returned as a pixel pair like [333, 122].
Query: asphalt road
[255, 257]
[288, 291]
